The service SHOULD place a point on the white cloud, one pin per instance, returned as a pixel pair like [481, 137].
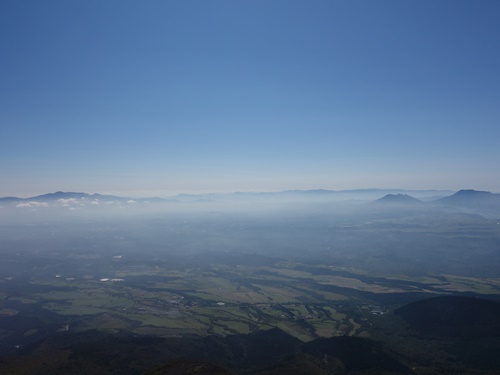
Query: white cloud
[67, 202]
[33, 204]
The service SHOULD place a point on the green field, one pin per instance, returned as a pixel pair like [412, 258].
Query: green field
[308, 302]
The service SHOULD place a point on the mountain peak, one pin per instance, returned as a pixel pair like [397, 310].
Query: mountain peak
[398, 199]
[471, 197]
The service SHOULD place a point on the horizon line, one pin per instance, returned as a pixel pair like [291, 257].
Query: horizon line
[237, 192]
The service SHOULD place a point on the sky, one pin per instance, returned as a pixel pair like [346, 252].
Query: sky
[160, 97]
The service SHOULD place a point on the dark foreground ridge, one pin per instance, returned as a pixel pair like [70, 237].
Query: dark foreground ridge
[266, 352]
[182, 367]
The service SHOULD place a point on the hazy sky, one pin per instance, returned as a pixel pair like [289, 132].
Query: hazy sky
[160, 97]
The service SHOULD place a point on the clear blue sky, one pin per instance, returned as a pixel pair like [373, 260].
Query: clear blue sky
[160, 97]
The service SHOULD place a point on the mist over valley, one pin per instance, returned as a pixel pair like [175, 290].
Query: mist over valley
[313, 265]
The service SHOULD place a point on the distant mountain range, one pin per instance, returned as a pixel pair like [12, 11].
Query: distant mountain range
[318, 194]
[355, 194]
[472, 201]
[72, 195]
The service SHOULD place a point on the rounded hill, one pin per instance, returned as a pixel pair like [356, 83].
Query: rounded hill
[453, 316]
